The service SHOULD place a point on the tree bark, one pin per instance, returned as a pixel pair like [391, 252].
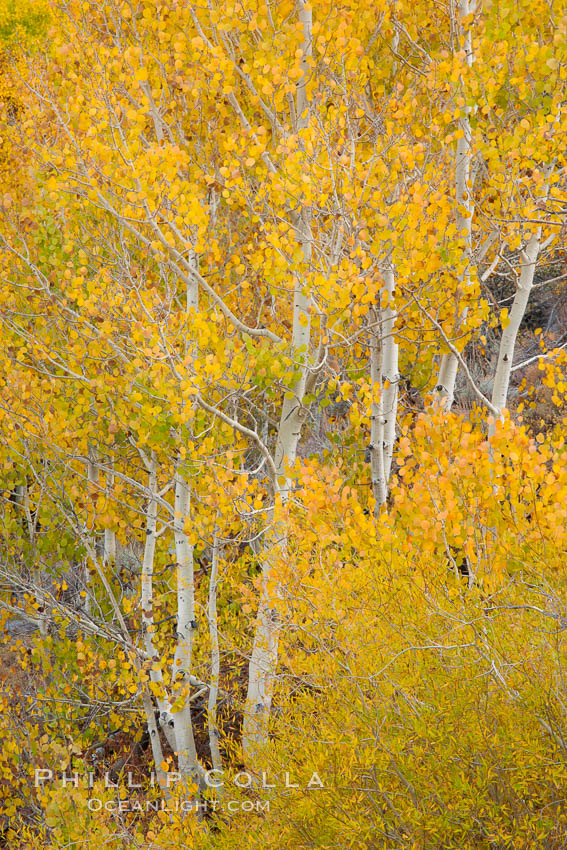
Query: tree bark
[215, 660]
[509, 335]
[264, 658]
[164, 706]
[185, 742]
[109, 556]
[377, 469]
[447, 376]
[390, 373]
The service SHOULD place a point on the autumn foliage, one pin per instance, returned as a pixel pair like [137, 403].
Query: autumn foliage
[282, 405]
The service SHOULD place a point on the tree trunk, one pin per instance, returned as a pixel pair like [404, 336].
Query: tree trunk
[508, 342]
[264, 658]
[164, 706]
[377, 469]
[185, 742]
[446, 379]
[384, 378]
[109, 556]
[215, 660]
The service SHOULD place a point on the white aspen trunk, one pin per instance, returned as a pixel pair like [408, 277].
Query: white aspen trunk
[447, 376]
[109, 555]
[303, 106]
[93, 473]
[384, 378]
[193, 285]
[215, 660]
[529, 257]
[164, 706]
[181, 674]
[262, 667]
[395, 42]
[93, 478]
[43, 618]
[446, 380]
[155, 742]
[264, 658]
[23, 499]
[377, 470]
[390, 372]
[154, 112]
[183, 726]
[508, 342]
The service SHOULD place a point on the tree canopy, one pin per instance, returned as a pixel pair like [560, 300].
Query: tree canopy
[283, 468]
